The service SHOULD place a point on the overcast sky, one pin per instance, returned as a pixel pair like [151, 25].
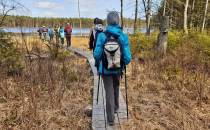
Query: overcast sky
[69, 8]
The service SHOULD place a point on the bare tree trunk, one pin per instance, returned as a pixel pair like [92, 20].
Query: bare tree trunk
[172, 14]
[205, 14]
[185, 16]
[164, 8]
[192, 14]
[136, 14]
[147, 9]
[162, 39]
[148, 14]
[80, 22]
[122, 21]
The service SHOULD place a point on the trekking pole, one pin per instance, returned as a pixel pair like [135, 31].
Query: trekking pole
[126, 92]
[99, 80]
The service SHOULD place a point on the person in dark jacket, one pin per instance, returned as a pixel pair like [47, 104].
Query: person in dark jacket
[68, 31]
[45, 32]
[40, 31]
[96, 29]
[111, 78]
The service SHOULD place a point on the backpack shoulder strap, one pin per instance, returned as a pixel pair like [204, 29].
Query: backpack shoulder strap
[94, 33]
[109, 35]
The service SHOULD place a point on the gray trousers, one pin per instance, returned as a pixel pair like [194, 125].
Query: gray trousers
[111, 85]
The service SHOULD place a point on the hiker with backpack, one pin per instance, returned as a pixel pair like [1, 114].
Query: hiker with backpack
[96, 29]
[40, 30]
[112, 51]
[44, 32]
[68, 31]
[50, 34]
[56, 32]
[62, 35]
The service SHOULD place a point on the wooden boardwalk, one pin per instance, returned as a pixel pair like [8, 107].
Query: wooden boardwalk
[99, 121]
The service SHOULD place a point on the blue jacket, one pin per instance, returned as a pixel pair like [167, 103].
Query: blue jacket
[101, 39]
[50, 32]
[61, 32]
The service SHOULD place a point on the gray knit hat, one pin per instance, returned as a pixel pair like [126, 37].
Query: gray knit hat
[113, 18]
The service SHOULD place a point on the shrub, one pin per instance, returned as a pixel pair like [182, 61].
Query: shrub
[174, 39]
[142, 45]
[62, 55]
[10, 56]
[202, 41]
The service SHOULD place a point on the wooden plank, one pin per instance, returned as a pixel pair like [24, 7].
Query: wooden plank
[98, 124]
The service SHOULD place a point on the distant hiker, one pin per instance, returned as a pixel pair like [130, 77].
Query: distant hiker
[56, 31]
[98, 28]
[44, 32]
[68, 31]
[50, 34]
[113, 52]
[62, 35]
[40, 30]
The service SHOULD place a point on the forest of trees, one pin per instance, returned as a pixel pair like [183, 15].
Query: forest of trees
[187, 14]
[183, 14]
[27, 21]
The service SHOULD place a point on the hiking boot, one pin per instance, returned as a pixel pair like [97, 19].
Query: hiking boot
[116, 110]
[111, 123]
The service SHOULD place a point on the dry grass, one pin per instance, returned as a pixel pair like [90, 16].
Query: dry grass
[49, 94]
[170, 94]
[80, 42]
[30, 41]
[166, 94]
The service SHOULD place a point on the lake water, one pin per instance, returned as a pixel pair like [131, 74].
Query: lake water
[75, 31]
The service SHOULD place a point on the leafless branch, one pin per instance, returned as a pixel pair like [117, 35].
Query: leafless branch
[7, 6]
